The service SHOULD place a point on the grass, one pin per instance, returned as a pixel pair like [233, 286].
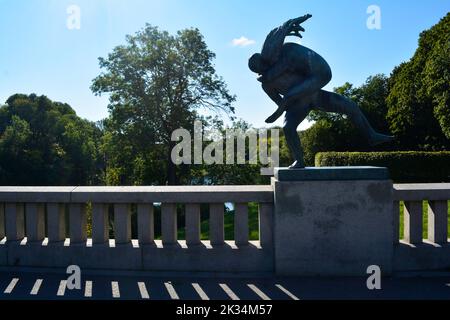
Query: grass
[253, 222]
[229, 222]
[425, 219]
[254, 228]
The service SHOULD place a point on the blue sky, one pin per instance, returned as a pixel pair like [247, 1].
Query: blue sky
[39, 54]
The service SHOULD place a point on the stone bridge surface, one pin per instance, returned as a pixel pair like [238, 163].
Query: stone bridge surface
[30, 284]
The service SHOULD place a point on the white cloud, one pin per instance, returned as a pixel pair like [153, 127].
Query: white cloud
[242, 42]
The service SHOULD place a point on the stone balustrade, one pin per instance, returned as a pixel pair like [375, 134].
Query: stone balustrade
[35, 225]
[48, 227]
[413, 252]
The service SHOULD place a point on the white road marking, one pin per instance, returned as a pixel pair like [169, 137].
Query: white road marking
[200, 291]
[143, 290]
[88, 289]
[229, 292]
[286, 291]
[62, 288]
[261, 294]
[36, 287]
[173, 294]
[11, 285]
[115, 289]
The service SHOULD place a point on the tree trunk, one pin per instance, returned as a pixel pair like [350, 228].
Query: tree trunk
[171, 168]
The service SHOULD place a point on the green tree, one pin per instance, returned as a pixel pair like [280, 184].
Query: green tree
[334, 132]
[412, 104]
[46, 143]
[419, 95]
[156, 83]
[371, 98]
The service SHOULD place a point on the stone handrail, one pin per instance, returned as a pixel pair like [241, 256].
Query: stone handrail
[51, 199]
[180, 194]
[35, 218]
[428, 191]
[413, 196]
[303, 226]
[413, 252]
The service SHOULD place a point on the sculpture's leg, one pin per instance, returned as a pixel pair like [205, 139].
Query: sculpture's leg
[307, 87]
[294, 116]
[333, 102]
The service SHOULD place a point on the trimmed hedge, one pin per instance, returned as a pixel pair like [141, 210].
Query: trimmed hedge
[409, 166]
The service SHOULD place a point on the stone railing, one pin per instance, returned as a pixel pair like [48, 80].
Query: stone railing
[35, 228]
[413, 252]
[311, 227]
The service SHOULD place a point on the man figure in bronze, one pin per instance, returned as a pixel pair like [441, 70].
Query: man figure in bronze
[293, 77]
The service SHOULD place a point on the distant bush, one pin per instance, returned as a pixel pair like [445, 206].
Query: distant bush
[410, 166]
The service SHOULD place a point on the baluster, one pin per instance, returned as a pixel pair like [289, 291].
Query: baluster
[77, 223]
[100, 223]
[169, 223]
[265, 224]
[396, 216]
[241, 224]
[14, 221]
[35, 222]
[216, 222]
[413, 222]
[146, 233]
[437, 221]
[122, 223]
[193, 224]
[56, 222]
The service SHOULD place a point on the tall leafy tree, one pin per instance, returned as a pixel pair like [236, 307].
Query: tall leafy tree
[419, 111]
[371, 97]
[45, 143]
[156, 83]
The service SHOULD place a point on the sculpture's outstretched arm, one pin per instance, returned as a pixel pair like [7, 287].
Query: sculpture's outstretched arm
[273, 94]
[275, 39]
[278, 99]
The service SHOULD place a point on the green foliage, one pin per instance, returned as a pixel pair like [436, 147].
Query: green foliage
[425, 217]
[412, 104]
[403, 166]
[46, 143]
[418, 101]
[326, 135]
[231, 174]
[253, 224]
[371, 97]
[334, 132]
[156, 83]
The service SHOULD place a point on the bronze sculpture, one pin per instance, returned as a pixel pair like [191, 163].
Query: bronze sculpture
[293, 77]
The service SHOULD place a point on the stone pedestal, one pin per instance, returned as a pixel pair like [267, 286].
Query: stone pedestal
[333, 221]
